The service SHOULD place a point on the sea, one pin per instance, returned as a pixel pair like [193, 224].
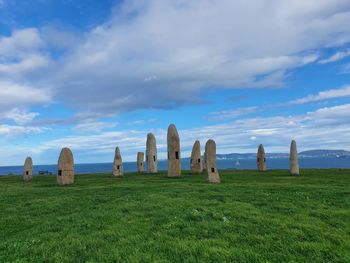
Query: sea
[227, 164]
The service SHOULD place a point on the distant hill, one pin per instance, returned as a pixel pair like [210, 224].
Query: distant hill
[306, 154]
[235, 156]
[310, 153]
[324, 153]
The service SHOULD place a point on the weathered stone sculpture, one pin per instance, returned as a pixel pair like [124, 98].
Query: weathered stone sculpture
[174, 158]
[118, 164]
[65, 172]
[261, 160]
[196, 164]
[151, 154]
[140, 156]
[294, 165]
[28, 169]
[210, 152]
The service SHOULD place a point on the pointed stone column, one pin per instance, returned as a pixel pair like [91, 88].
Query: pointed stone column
[140, 156]
[28, 169]
[65, 172]
[174, 158]
[261, 160]
[294, 164]
[196, 164]
[151, 154]
[118, 164]
[210, 153]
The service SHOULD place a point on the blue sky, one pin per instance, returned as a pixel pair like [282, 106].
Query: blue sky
[93, 75]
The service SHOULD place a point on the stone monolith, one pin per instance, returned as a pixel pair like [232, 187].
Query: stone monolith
[210, 152]
[151, 154]
[65, 167]
[174, 157]
[293, 158]
[28, 169]
[140, 156]
[196, 164]
[118, 164]
[261, 160]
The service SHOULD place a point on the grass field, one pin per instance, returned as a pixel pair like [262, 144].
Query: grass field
[249, 217]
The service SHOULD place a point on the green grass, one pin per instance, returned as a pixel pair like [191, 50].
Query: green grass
[249, 217]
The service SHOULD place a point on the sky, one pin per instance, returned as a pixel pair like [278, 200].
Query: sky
[93, 75]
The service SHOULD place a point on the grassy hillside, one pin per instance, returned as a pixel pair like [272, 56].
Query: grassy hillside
[249, 217]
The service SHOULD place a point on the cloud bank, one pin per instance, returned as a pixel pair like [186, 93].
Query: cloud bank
[326, 126]
[162, 54]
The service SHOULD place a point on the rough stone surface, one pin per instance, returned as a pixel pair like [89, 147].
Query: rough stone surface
[294, 164]
[174, 155]
[196, 164]
[28, 169]
[210, 152]
[118, 164]
[151, 154]
[140, 156]
[65, 172]
[261, 160]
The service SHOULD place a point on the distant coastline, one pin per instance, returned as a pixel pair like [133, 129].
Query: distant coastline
[320, 160]
[303, 154]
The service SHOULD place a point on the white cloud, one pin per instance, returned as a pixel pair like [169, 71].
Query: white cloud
[230, 114]
[27, 64]
[323, 95]
[20, 117]
[313, 130]
[24, 56]
[335, 57]
[12, 94]
[324, 128]
[193, 46]
[20, 43]
[337, 115]
[17, 130]
[93, 126]
[60, 38]
[91, 147]
[162, 54]
[142, 122]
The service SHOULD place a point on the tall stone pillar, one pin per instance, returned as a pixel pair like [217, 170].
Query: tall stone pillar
[28, 169]
[294, 164]
[261, 159]
[140, 156]
[174, 155]
[196, 164]
[151, 154]
[118, 170]
[65, 171]
[212, 171]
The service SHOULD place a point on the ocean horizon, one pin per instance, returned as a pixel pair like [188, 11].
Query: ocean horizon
[224, 164]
